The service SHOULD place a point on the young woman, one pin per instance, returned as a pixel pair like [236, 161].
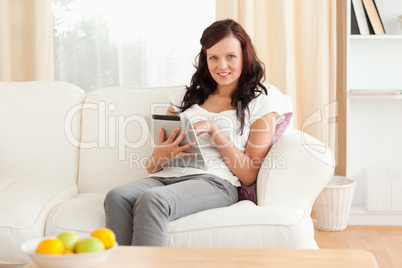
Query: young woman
[235, 120]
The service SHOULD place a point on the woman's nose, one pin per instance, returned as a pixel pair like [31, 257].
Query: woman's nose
[222, 64]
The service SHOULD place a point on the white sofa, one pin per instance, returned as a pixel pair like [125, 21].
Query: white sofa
[62, 150]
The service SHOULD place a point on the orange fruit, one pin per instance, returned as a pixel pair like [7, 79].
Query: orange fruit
[50, 246]
[105, 235]
[68, 251]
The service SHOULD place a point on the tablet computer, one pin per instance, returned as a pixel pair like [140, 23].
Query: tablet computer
[168, 123]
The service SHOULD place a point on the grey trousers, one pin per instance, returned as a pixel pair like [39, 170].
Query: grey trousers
[140, 212]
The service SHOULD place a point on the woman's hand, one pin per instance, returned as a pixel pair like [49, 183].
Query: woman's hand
[168, 150]
[204, 126]
[243, 164]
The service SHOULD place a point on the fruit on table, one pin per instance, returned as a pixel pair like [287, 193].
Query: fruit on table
[70, 240]
[67, 251]
[90, 244]
[105, 235]
[50, 246]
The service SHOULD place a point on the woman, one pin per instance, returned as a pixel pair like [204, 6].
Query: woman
[235, 121]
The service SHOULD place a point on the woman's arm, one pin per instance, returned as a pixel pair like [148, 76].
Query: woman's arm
[244, 165]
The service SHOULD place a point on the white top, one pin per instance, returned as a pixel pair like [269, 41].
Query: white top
[229, 125]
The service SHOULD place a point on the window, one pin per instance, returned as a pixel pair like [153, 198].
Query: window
[128, 43]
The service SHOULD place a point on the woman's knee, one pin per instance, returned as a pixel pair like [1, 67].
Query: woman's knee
[114, 197]
[151, 198]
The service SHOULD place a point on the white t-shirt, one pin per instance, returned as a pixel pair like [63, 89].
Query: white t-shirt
[229, 125]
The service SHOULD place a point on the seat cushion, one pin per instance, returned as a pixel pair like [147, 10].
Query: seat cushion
[242, 225]
[24, 206]
[83, 214]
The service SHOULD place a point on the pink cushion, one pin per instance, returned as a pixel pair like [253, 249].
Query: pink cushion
[250, 192]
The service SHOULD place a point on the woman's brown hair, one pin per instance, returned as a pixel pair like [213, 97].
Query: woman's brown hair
[250, 82]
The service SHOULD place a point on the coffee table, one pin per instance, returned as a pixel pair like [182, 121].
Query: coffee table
[150, 257]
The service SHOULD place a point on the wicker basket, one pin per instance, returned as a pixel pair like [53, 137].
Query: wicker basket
[383, 189]
[333, 204]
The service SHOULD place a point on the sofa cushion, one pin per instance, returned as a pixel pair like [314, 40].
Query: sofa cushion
[115, 135]
[244, 225]
[263, 226]
[41, 126]
[83, 214]
[22, 202]
[24, 206]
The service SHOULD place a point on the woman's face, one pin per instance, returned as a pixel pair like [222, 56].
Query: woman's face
[225, 62]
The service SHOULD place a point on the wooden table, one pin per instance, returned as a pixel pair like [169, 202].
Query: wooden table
[149, 257]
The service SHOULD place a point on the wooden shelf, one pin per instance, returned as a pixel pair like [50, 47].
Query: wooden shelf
[376, 97]
[360, 216]
[376, 37]
[375, 94]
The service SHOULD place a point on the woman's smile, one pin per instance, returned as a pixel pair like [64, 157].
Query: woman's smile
[225, 63]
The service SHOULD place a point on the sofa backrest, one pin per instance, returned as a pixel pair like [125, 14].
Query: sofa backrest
[33, 130]
[115, 136]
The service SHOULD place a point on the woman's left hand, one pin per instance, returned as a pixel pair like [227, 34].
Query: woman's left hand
[204, 126]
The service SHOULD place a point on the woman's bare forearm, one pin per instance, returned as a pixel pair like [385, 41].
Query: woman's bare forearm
[241, 165]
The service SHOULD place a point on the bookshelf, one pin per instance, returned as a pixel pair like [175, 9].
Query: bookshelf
[374, 122]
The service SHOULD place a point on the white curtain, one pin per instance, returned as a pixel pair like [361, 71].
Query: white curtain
[128, 43]
[302, 45]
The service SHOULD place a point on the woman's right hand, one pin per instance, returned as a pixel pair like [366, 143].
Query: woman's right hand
[168, 150]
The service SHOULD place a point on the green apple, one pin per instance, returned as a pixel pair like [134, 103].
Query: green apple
[90, 244]
[70, 239]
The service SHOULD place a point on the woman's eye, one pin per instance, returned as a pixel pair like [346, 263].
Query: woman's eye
[231, 56]
[213, 58]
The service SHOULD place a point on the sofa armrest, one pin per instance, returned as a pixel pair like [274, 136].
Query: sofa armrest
[294, 171]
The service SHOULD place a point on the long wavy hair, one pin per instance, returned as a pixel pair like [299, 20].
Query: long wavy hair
[250, 81]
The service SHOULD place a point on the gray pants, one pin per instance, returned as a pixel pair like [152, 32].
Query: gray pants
[140, 212]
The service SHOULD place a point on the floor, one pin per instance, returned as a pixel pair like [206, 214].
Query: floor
[385, 242]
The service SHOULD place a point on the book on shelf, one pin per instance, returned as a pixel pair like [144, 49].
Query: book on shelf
[360, 92]
[374, 17]
[359, 18]
[354, 28]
